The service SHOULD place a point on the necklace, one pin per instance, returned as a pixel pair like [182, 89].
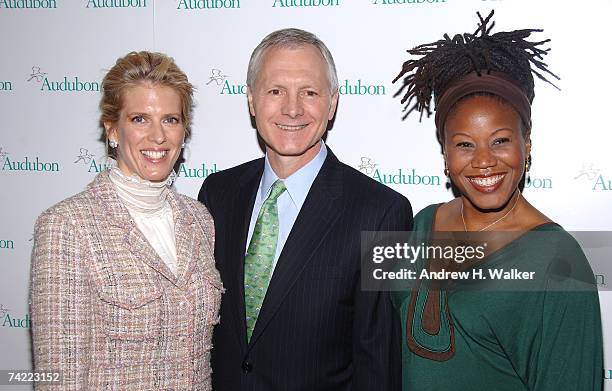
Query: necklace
[496, 221]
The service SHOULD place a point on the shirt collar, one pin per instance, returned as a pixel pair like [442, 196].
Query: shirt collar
[297, 184]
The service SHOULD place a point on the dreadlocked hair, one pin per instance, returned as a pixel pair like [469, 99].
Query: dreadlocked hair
[446, 60]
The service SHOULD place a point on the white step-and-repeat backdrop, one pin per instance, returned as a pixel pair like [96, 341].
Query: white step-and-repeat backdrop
[54, 54]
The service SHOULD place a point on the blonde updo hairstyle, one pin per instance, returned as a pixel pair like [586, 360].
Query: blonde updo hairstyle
[137, 68]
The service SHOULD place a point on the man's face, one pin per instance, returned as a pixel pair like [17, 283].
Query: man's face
[291, 101]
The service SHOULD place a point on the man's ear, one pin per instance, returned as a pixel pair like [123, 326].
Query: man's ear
[249, 94]
[333, 106]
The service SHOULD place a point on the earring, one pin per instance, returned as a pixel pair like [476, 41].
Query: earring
[112, 143]
[527, 167]
[449, 183]
[183, 145]
[528, 163]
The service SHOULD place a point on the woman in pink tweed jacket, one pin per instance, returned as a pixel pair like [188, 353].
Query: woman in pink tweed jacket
[124, 292]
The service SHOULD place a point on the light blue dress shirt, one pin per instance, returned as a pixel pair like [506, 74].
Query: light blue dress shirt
[290, 202]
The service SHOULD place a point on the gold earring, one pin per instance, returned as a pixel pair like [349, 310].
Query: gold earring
[528, 163]
[446, 172]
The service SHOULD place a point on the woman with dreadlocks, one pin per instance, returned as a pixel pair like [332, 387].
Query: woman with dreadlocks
[544, 333]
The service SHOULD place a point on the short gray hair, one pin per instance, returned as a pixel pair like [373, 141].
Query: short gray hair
[291, 38]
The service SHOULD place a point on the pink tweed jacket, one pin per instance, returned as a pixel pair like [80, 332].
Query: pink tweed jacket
[107, 311]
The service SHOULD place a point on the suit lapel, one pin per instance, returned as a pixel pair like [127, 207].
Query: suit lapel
[321, 209]
[240, 217]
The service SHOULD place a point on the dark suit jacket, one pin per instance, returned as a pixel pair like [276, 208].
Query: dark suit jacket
[317, 330]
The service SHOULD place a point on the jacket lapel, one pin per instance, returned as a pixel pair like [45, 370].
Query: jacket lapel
[119, 217]
[188, 240]
[321, 209]
[142, 250]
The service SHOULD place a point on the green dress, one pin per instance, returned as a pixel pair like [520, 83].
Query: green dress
[548, 338]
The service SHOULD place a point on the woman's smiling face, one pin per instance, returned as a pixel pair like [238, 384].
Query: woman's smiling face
[150, 131]
[485, 150]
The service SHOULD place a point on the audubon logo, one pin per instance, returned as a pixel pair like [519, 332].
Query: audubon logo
[6, 244]
[538, 183]
[72, 84]
[405, 177]
[399, 176]
[305, 3]
[37, 74]
[361, 88]
[233, 89]
[391, 2]
[592, 175]
[87, 160]
[67, 84]
[207, 4]
[9, 320]
[24, 4]
[226, 87]
[199, 172]
[367, 166]
[27, 164]
[116, 4]
[6, 85]
[217, 77]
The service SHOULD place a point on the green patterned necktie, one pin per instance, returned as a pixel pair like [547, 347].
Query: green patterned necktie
[260, 256]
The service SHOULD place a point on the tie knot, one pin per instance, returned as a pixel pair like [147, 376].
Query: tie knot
[278, 188]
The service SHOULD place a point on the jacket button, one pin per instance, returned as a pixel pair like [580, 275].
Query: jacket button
[247, 366]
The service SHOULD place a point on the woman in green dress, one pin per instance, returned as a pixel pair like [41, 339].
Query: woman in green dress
[544, 332]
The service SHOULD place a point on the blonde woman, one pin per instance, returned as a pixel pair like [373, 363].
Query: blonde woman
[124, 290]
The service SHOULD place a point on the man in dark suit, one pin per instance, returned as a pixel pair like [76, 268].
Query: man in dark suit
[288, 230]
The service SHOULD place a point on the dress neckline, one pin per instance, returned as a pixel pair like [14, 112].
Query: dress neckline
[139, 195]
